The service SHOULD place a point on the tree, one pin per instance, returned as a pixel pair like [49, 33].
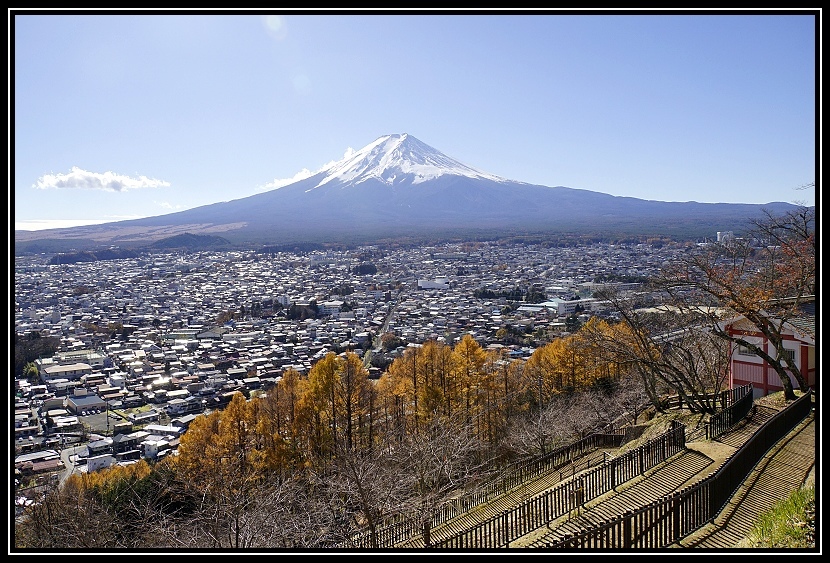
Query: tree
[434, 369]
[543, 368]
[535, 295]
[277, 424]
[562, 366]
[133, 504]
[31, 372]
[394, 391]
[439, 462]
[592, 410]
[317, 408]
[572, 323]
[65, 517]
[31, 347]
[537, 432]
[468, 359]
[631, 396]
[764, 279]
[371, 481]
[670, 349]
[223, 458]
[352, 390]
[365, 269]
[390, 341]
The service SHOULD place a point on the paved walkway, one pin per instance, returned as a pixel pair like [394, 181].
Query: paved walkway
[787, 466]
[699, 460]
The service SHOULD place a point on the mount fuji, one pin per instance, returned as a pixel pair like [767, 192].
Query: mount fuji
[398, 186]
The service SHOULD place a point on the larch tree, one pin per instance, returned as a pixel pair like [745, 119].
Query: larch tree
[318, 407]
[277, 423]
[352, 398]
[434, 376]
[395, 390]
[195, 447]
[468, 360]
[231, 464]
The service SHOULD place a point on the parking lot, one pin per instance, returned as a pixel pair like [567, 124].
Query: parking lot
[100, 422]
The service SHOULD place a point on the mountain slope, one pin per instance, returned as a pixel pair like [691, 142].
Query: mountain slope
[398, 185]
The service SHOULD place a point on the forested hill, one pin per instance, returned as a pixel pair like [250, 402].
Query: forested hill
[92, 256]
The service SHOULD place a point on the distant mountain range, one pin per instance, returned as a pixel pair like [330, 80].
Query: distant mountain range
[397, 186]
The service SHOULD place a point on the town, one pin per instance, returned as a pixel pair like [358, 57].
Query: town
[145, 345]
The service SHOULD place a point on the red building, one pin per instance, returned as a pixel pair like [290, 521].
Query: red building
[798, 333]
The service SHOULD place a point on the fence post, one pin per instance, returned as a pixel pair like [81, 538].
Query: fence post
[675, 521]
[640, 459]
[565, 541]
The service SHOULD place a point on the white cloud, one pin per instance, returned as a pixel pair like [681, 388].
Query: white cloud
[108, 181]
[305, 173]
[278, 183]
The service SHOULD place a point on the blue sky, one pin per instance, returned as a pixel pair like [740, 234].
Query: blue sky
[119, 116]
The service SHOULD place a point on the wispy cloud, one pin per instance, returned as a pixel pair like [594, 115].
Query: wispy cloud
[79, 179]
[42, 224]
[167, 205]
[304, 173]
[278, 183]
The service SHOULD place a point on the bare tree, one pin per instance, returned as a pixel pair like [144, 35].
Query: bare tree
[373, 487]
[631, 397]
[593, 410]
[441, 461]
[670, 348]
[764, 279]
[539, 431]
[63, 518]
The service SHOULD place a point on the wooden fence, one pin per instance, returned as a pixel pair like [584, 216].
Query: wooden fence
[724, 398]
[514, 476]
[737, 403]
[500, 530]
[668, 520]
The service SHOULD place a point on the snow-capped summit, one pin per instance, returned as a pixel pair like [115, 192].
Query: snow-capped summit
[398, 158]
[399, 187]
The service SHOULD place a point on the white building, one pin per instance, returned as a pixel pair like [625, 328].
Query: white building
[438, 283]
[330, 307]
[71, 372]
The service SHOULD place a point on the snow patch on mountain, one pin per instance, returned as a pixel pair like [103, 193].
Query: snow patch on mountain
[393, 159]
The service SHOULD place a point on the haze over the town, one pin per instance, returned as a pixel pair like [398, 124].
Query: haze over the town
[125, 116]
